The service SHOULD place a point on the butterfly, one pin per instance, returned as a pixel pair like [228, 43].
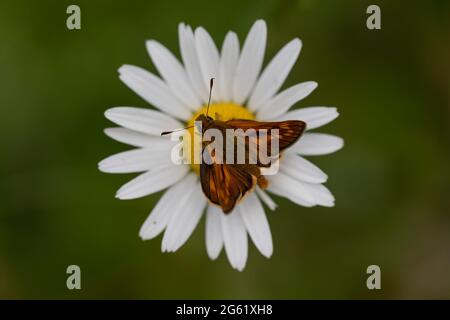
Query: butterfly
[225, 183]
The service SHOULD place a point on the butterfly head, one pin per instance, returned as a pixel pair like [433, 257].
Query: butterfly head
[205, 121]
[204, 118]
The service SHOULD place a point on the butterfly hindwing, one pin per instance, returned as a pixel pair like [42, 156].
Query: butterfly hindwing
[225, 184]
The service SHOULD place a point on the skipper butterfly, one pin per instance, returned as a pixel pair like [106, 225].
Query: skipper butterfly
[225, 182]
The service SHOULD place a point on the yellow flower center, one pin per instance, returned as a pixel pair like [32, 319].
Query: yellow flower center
[223, 111]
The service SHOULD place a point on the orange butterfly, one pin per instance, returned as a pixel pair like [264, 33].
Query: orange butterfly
[224, 182]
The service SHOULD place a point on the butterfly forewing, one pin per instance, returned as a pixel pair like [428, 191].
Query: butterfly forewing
[288, 131]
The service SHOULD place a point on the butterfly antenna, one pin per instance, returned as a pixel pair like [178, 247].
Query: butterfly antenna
[169, 132]
[211, 82]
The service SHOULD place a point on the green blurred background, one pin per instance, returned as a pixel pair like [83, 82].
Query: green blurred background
[391, 180]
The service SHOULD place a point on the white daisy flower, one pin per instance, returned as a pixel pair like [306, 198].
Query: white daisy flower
[242, 91]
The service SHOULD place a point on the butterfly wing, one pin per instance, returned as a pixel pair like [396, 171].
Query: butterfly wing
[288, 131]
[226, 184]
[258, 138]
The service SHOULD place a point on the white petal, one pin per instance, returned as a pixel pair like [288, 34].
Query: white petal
[313, 144]
[136, 139]
[235, 239]
[184, 221]
[301, 169]
[191, 63]
[152, 181]
[292, 189]
[322, 195]
[214, 239]
[266, 198]
[171, 201]
[227, 66]
[313, 116]
[153, 90]
[250, 61]
[173, 72]
[142, 120]
[281, 103]
[137, 160]
[274, 75]
[255, 221]
[208, 56]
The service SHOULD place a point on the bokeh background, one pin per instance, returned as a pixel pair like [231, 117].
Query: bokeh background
[391, 180]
